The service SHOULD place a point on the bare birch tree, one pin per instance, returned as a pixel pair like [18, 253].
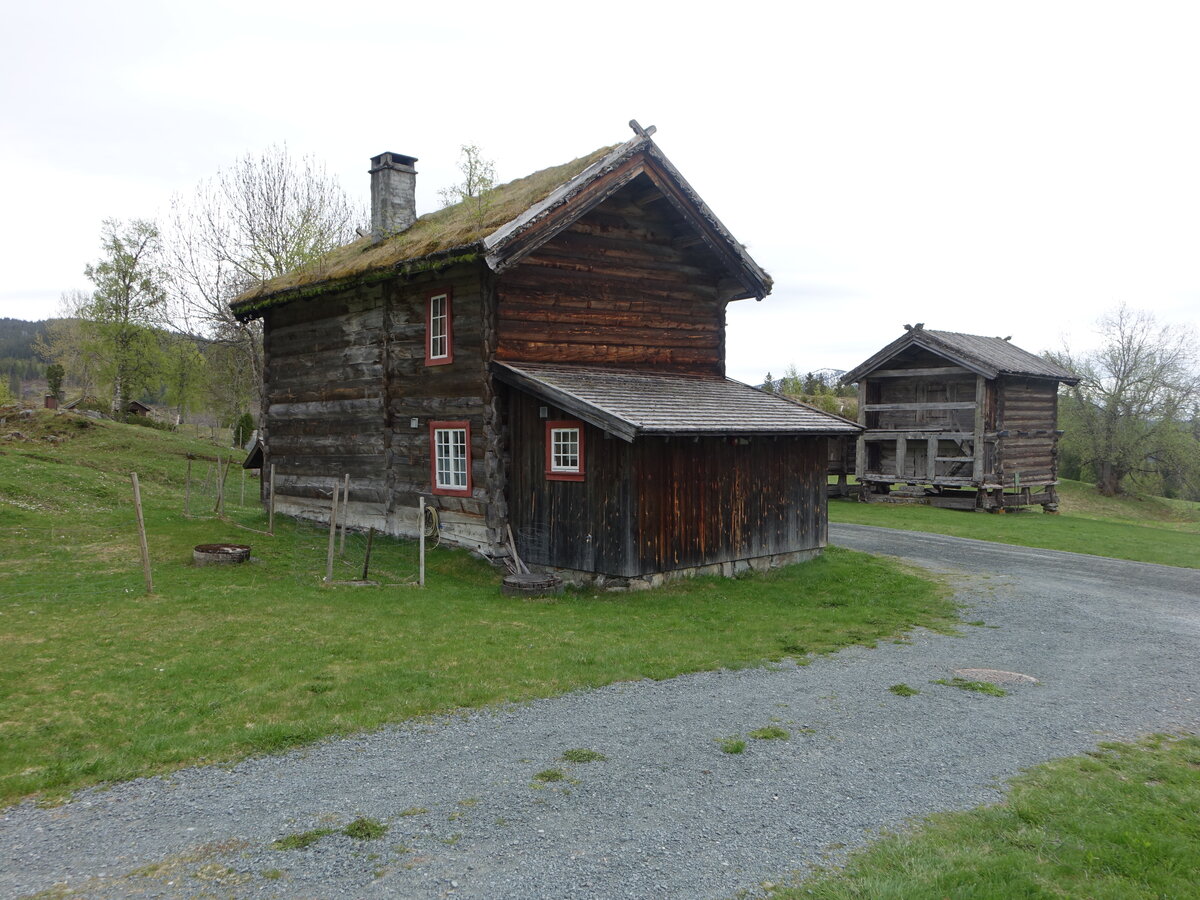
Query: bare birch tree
[1135, 394]
[265, 216]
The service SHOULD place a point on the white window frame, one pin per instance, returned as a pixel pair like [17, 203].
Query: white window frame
[452, 458]
[439, 327]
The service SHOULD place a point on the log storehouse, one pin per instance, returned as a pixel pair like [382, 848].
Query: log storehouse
[972, 420]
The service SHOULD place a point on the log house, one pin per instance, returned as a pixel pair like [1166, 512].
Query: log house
[548, 358]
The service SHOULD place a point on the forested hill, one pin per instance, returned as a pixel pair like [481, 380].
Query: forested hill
[17, 337]
[19, 364]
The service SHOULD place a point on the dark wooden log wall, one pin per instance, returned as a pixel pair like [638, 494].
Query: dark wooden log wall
[346, 375]
[1027, 410]
[664, 503]
[622, 286]
[325, 412]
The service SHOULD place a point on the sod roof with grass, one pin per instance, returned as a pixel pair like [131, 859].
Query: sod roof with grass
[497, 227]
[455, 230]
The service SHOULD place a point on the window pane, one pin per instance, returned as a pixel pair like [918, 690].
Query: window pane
[564, 449]
[451, 458]
[439, 346]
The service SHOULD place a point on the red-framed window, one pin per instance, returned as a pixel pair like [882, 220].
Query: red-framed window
[450, 458]
[564, 450]
[439, 329]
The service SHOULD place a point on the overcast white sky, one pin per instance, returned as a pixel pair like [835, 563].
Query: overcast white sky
[1006, 168]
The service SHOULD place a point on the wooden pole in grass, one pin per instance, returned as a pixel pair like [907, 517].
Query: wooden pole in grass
[345, 502]
[332, 534]
[271, 504]
[367, 559]
[222, 470]
[141, 522]
[421, 551]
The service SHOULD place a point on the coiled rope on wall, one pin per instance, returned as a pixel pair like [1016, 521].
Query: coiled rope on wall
[432, 526]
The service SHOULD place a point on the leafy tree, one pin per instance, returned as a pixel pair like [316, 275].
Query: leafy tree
[1128, 415]
[54, 379]
[184, 372]
[243, 427]
[68, 341]
[128, 301]
[14, 384]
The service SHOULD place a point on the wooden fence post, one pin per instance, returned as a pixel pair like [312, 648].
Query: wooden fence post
[332, 534]
[141, 522]
[421, 552]
[271, 504]
[345, 502]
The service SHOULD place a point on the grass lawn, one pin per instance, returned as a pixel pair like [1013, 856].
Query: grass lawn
[101, 682]
[1122, 822]
[1147, 529]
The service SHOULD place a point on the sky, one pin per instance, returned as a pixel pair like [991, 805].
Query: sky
[1001, 169]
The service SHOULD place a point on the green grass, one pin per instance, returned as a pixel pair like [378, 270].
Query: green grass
[979, 687]
[903, 690]
[1122, 823]
[732, 745]
[101, 682]
[1146, 529]
[365, 829]
[550, 775]
[301, 839]
[770, 733]
[582, 755]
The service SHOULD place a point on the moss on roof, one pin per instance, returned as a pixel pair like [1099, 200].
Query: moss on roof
[454, 227]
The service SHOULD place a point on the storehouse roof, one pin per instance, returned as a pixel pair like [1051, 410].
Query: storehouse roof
[630, 403]
[986, 356]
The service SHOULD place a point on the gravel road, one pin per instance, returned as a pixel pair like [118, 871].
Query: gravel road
[1113, 645]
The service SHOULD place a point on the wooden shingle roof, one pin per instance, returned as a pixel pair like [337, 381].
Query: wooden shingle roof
[986, 356]
[629, 403]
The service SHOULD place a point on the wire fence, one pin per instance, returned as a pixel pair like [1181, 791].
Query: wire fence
[104, 535]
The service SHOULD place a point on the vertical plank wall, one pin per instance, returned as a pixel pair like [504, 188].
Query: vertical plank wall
[663, 503]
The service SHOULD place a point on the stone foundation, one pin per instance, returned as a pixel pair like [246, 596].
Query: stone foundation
[658, 579]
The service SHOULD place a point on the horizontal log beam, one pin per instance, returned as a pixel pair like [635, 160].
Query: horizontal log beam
[919, 407]
[933, 370]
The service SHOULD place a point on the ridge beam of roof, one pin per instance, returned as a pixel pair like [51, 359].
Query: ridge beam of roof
[577, 406]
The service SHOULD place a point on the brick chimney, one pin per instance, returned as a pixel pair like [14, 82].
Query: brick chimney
[393, 194]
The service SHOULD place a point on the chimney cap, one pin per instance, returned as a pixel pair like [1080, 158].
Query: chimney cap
[389, 160]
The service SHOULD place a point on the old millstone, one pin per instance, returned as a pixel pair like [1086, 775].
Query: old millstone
[531, 584]
[220, 554]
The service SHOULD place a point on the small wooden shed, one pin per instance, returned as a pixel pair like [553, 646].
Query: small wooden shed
[972, 419]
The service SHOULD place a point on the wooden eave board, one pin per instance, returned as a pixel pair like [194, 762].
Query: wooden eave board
[898, 346]
[630, 402]
[510, 243]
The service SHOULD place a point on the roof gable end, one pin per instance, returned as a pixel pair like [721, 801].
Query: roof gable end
[514, 240]
[986, 356]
